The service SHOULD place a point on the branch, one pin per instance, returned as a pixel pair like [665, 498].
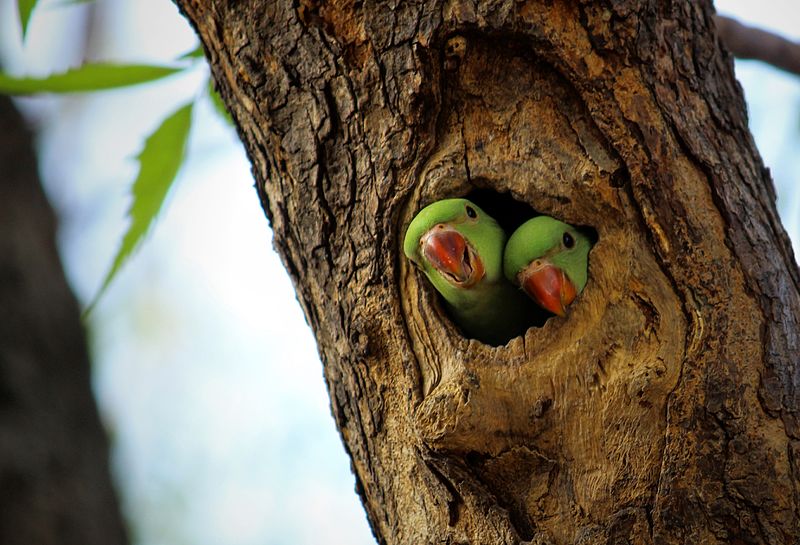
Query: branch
[753, 43]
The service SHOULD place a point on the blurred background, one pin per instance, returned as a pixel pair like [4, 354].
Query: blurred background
[205, 371]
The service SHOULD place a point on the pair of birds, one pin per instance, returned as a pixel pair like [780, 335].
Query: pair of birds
[479, 272]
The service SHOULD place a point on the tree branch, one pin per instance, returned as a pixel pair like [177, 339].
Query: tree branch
[747, 42]
[54, 472]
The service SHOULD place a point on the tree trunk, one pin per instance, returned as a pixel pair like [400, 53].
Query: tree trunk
[55, 485]
[664, 408]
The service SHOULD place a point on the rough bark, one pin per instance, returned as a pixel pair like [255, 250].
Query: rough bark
[55, 484]
[664, 408]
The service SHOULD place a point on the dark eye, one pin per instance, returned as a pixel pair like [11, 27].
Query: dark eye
[471, 212]
[569, 242]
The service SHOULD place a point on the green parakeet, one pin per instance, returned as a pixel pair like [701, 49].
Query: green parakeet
[549, 260]
[459, 248]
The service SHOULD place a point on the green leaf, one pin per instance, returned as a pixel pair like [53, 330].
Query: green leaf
[89, 77]
[196, 53]
[219, 106]
[159, 162]
[25, 8]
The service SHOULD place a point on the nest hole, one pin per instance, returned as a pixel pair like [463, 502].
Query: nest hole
[505, 209]
[510, 213]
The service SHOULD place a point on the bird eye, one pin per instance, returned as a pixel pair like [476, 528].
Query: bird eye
[569, 242]
[471, 212]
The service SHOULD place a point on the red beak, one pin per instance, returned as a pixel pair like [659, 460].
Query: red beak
[549, 286]
[448, 252]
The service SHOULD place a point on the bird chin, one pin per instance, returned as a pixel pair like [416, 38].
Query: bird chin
[472, 265]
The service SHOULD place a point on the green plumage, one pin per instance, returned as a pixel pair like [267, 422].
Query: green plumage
[491, 310]
[544, 237]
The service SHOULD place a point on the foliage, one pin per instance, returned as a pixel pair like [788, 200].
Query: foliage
[85, 79]
[159, 163]
[164, 150]
[25, 9]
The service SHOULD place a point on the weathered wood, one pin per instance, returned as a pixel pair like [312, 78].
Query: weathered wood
[664, 408]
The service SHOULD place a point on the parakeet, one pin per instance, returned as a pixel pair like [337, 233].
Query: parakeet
[549, 260]
[459, 248]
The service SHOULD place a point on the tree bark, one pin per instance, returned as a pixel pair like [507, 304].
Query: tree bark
[664, 408]
[55, 484]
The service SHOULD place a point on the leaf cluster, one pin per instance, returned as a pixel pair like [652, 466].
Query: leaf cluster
[163, 151]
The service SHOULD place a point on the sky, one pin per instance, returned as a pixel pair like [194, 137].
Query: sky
[205, 371]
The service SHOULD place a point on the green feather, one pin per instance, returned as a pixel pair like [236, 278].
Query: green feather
[492, 310]
[543, 236]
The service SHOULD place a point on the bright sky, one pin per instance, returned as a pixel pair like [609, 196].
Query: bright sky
[206, 372]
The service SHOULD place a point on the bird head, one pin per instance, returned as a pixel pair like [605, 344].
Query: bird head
[456, 245]
[548, 259]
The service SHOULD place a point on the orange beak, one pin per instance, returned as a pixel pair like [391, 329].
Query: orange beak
[448, 252]
[549, 286]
